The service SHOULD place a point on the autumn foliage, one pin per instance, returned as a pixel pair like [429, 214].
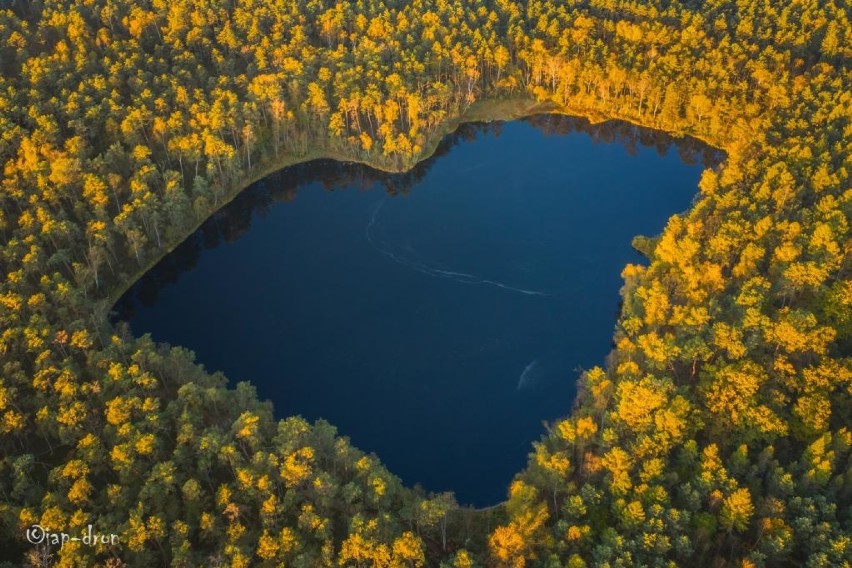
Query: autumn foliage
[717, 432]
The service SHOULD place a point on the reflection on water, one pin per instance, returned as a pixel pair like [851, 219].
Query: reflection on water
[233, 221]
[436, 317]
[406, 256]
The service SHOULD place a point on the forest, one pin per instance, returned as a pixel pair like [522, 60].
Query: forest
[718, 432]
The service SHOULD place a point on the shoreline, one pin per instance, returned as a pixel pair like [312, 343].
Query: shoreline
[476, 113]
[483, 111]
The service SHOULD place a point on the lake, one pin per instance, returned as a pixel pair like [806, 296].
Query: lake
[437, 318]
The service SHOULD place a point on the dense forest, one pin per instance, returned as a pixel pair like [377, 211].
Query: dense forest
[719, 430]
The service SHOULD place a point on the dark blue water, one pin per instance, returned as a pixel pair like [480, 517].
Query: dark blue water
[437, 318]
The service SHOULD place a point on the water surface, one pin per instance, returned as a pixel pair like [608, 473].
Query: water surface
[437, 317]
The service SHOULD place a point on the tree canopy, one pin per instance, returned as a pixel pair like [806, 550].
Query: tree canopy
[718, 432]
